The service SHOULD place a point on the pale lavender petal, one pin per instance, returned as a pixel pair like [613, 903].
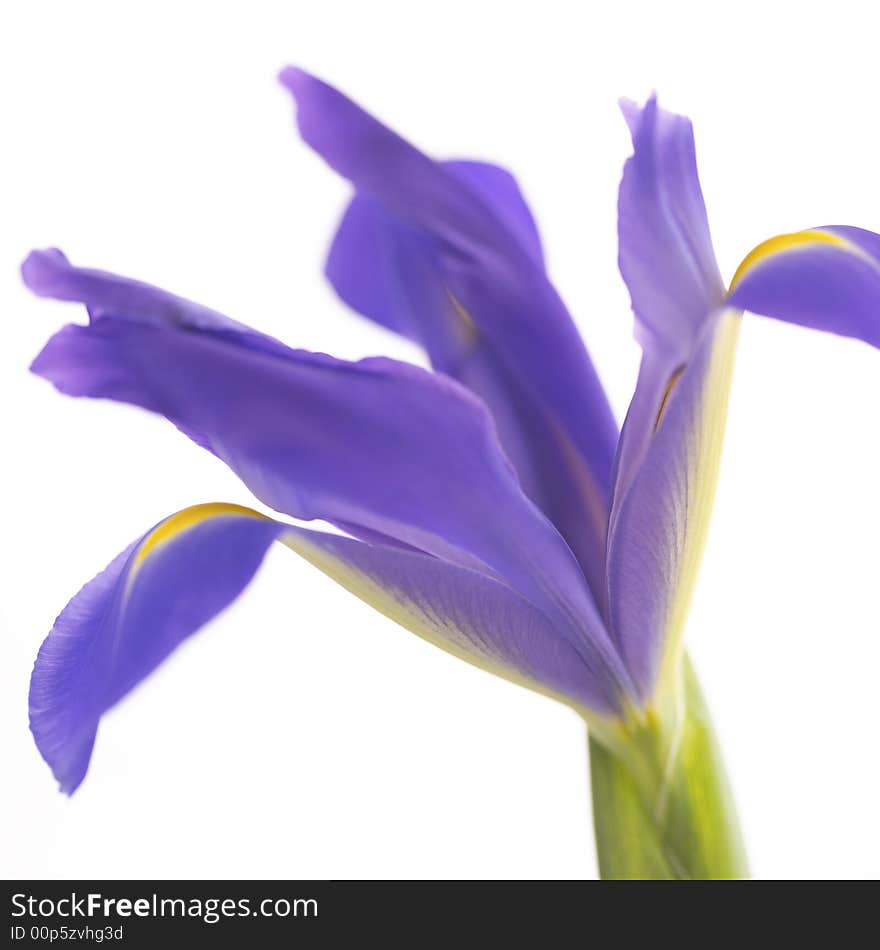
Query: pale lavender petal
[666, 255]
[659, 532]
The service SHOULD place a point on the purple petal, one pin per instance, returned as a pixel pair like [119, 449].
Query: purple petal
[661, 520]
[50, 274]
[666, 255]
[448, 255]
[500, 191]
[670, 446]
[464, 612]
[122, 624]
[377, 262]
[380, 163]
[666, 466]
[381, 445]
[667, 262]
[827, 278]
[181, 574]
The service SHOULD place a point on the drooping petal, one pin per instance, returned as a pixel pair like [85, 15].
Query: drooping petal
[827, 278]
[377, 444]
[178, 576]
[448, 255]
[122, 624]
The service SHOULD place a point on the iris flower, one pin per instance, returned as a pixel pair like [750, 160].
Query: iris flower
[490, 506]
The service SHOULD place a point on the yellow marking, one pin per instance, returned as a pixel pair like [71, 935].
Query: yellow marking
[188, 518]
[466, 321]
[676, 376]
[786, 242]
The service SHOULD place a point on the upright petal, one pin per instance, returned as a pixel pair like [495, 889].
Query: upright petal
[662, 519]
[665, 255]
[377, 444]
[827, 278]
[666, 469]
[182, 573]
[448, 255]
[667, 261]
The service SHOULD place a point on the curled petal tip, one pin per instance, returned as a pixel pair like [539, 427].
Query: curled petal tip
[290, 76]
[41, 270]
[316, 105]
[636, 115]
[299, 82]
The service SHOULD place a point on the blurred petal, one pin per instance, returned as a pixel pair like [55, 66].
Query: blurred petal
[501, 193]
[377, 262]
[182, 573]
[387, 271]
[380, 445]
[827, 278]
[448, 255]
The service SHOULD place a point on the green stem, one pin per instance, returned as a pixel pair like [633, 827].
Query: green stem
[662, 805]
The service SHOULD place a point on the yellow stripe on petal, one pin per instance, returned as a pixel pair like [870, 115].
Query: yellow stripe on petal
[798, 240]
[464, 321]
[184, 520]
[676, 376]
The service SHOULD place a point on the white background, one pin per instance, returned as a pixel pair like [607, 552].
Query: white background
[303, 735]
